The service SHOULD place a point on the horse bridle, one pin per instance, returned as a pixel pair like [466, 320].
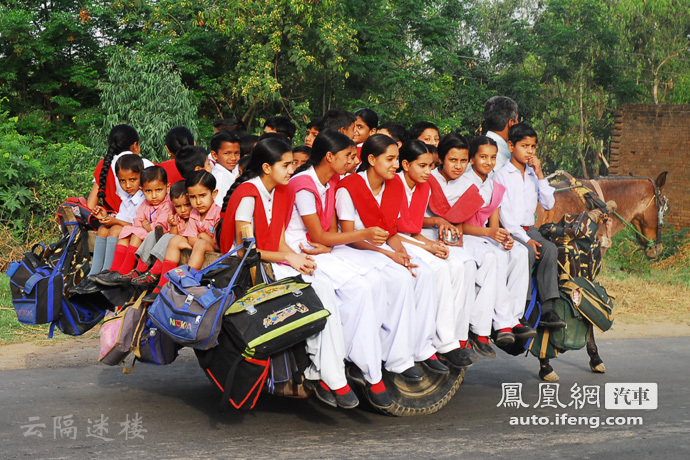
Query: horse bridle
[663, 209]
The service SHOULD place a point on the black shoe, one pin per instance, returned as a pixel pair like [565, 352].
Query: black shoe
[93, 277]
[524, 331]
[146, 279]
[551, 320]
[150, 297]
[112, 279]
[380, 400]
[347, 401]
[354, 374]
[86, 286]
[457, 358]
[481, 347]
[412, 373]
[435, 366]
[322, 394]
[504, 339]
[468, 350]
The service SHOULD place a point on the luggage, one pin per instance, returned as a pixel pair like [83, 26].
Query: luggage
[275, 316]
[81, 211]
[591, 300]
[151, 346]
[579, 251]
[117, 332]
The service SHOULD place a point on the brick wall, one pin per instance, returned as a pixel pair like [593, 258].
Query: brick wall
[650, 139]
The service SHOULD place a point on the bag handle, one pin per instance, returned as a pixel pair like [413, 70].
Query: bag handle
[248, 243]
[229, 380]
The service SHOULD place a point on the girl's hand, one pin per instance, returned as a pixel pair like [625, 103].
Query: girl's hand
[438, 249]
[448, 231]
[317, 249]
[376, 235]
[108, 221]
[99, 213]
[171, 220]
[499, 234]
[508, 243]
[303, 263]
[403, 259]
[147, 225]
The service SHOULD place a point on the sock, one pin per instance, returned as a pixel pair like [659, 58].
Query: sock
[517, 325]
[129, 260]
[463, 344]
[506, 329]
[323, 384]
[110, 244]
[483, 339]
[167, 266]
[98, 255]
[433, 356]
[142, 266]
[157, 268]
[118, 257]
[378, 387]
[344, 390]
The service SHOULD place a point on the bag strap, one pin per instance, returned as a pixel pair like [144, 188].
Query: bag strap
[248, 243]
[63, 257]
[229, 380]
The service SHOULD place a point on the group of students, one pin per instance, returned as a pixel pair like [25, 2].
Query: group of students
[414, 243]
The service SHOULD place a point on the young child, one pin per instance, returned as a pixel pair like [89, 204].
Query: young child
[300, 155]
[192, 158]
[453, 276]
[314, 127]
[483, 233]
[199, 233]
[155, 246]
[261, 200]
[426, 132]
[373, 197]
[225, 150]
[152, 213]
[526, 186]
[175, 139]
[281, 125]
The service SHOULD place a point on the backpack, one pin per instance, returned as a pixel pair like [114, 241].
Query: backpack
[117, 332]
[151, 346]
[81, 214]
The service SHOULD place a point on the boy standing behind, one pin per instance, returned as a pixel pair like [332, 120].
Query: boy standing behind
[526, 186]
[225, 150]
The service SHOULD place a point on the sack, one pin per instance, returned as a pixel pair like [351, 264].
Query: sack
[190, 312]
[117, 332]
[80, 210]
[549, 342]
[591, 300]
[239, 378]
[150, 345]
[273, 317]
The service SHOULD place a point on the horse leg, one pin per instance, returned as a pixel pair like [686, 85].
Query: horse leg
[546, 372]
[595, 362]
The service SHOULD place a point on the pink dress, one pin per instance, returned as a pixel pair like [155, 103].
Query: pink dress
[209, 225]
[155, 215]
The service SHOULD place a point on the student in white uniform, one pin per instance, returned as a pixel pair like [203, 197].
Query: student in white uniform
[225, 151]
[453, 276]
[313, 229]
[261, 200]
[372, 197]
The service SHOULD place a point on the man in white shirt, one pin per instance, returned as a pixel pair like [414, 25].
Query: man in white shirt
[500, 113]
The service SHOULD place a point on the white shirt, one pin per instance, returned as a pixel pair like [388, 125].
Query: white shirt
[224, 180]
[521, 197]
[245, 210]
[486, 188]
[129, 205]
[453, 190]
[345, 207]
[305, 205]
[121, 193]
[503, 156]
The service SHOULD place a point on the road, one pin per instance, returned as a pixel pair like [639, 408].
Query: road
[177, 407]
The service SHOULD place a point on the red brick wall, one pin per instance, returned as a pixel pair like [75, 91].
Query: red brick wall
[650, 139]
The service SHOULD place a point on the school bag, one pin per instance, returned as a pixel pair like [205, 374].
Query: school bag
[275, 316]
[80, 213]
[151, 346]
[117, 332]
[592, 301]
[189, 309]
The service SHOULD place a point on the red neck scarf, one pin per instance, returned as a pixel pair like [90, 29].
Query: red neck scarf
[373, 215]
[482, 215]
[306, 182]
[112, 199]
[267, 236]
[469, 203]
[412, 216]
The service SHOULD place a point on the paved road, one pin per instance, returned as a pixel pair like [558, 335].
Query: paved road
[178, 409]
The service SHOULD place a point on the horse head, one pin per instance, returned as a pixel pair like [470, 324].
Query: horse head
[651, 219]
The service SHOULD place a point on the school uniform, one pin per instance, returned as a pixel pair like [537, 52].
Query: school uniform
[224, 180]
[517, 216]
[152, 248]
[129, 205]
[171, 170]
[195, 226]
[515, 261]
[356, 202]
[457, 201]
[267, 212]
[114, 194]
[154, 215]
[453, 277]
[358, 296]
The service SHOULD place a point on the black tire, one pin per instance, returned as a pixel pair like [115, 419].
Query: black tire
[429, 395]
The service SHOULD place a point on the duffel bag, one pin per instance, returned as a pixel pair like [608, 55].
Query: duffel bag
[549, 342]
[591, 300]
[275, 316]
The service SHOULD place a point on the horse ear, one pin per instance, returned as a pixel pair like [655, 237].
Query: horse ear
[661, 180]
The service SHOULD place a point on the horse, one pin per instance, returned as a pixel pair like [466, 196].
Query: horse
[639, 201]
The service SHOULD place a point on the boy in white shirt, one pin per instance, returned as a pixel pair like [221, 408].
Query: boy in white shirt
[525, 185]
[225, 150]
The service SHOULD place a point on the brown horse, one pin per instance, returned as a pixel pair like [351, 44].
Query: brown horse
[639, 201]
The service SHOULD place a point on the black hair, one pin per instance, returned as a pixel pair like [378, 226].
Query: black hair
[178, 137]
[223, 136]
[243, 162]
[189, 158]
[396, 130]
[411, 150]
[519, 131]
[277, 136]
[369, 117]
[478, 142]
[376, 145]
[282, 125]
[498, 111]
[120, 139]
[418, 128]
[269, 150]
[233, 125]
[153, 173]
[337, 119]
[327, 141]
[247, 144]
[129, 162]
[302, 149]
[451, 141]
[201, 177]
[316, 124]
[178, 189]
